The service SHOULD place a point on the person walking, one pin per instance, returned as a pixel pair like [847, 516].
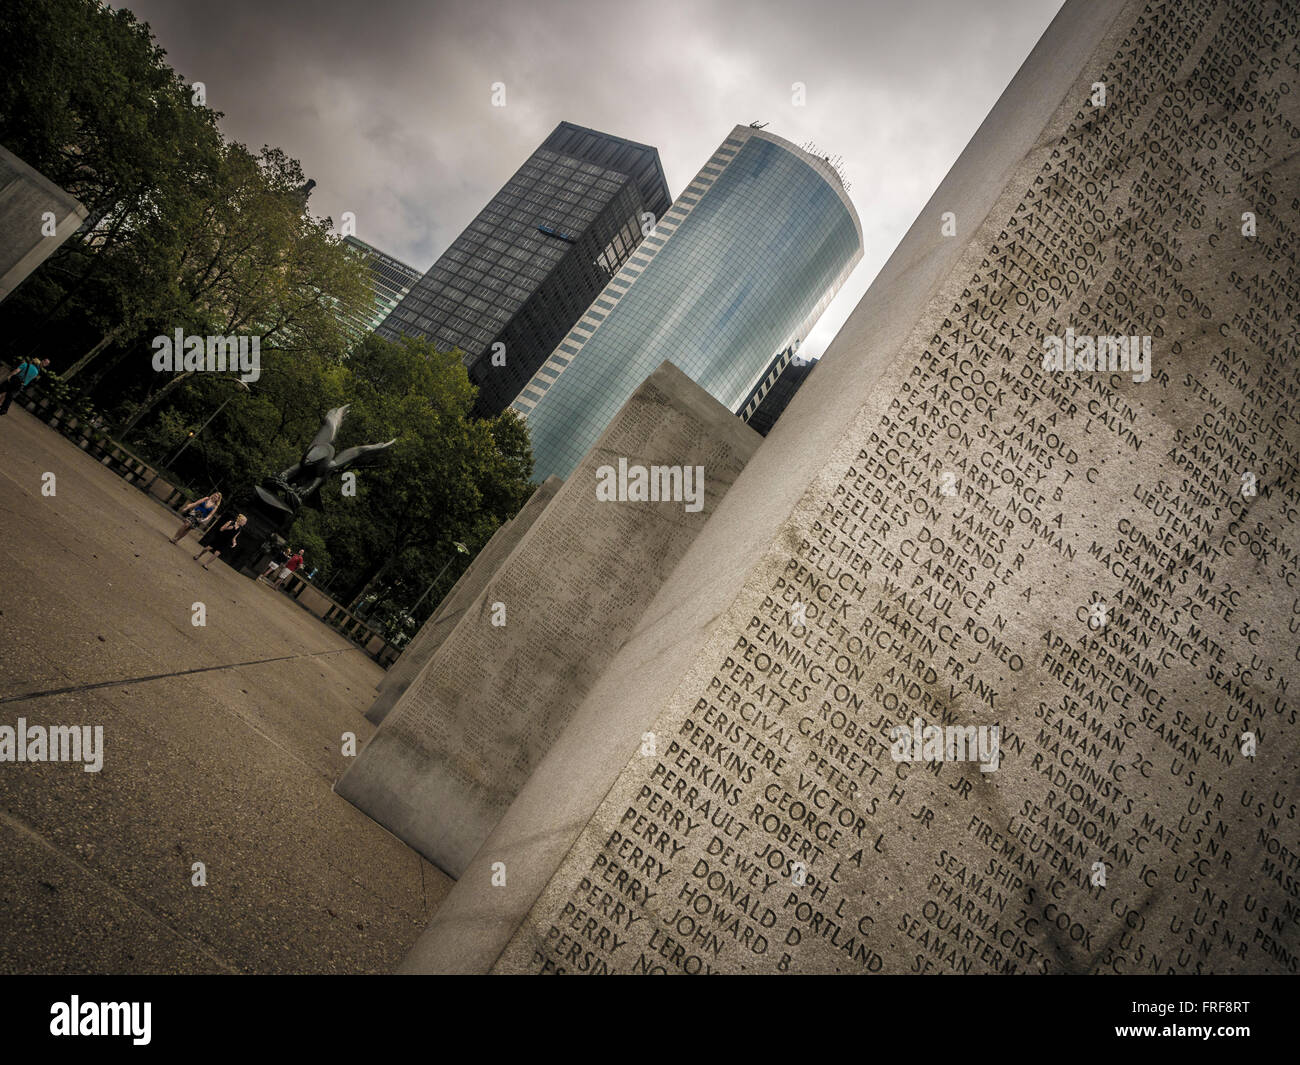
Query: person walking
[26, 372]
[224, 540]
[291, 566]
[197, 515]
[279, 556]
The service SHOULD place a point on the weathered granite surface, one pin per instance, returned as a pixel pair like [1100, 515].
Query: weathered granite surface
[463, 739]
[36, 216]
[425, 642]
[1104, 569]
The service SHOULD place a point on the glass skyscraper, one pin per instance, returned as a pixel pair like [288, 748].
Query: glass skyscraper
[532, 261]
[737, 271]
[391, 279]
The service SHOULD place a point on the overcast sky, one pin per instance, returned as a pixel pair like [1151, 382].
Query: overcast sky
[388, 105]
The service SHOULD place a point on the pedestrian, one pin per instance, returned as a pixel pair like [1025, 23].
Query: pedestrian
[27, 372]
[224, 540]
[197, 515]
[295, 560]
[279, 556]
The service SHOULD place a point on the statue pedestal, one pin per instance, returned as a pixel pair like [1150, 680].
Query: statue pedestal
[267, 512]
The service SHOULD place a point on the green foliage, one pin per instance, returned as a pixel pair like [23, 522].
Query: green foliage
[190, 232]
[308, 536]
[448, 477]
[88, 100]
[186, 231]
[62, 394]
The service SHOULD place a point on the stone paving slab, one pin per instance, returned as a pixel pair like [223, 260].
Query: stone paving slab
[220, 745]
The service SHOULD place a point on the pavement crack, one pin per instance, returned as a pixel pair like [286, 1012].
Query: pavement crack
[47, 692]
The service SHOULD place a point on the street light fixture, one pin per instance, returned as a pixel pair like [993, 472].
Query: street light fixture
[194, 435]
[462, 549]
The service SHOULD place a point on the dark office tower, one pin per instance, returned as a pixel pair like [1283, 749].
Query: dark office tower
[769, 398]
[390, 279]
[527, 268]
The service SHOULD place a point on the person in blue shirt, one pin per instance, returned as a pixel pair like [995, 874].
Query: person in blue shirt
[197, 515]
[27, 372]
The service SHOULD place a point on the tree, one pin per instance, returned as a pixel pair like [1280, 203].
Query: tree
[256, 264]
[185, 230]
[189, 232]
[89, 101]
[448, 478]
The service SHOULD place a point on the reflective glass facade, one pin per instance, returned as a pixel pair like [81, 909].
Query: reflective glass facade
[740, 268]
[391, 279]
[527, 267]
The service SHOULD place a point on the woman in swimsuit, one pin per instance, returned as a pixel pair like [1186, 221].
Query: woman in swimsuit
[197, 515]
[225, 540]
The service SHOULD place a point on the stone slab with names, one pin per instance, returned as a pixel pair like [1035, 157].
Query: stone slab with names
[426, 642]
[944, 527]
[468, 731]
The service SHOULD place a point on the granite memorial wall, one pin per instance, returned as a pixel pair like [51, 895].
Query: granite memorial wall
[426, 642]
[988, 662]
[468, 731]
[36, 216]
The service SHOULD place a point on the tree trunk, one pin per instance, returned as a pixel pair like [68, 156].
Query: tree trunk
[91, 381]
[377, 572]
[149, 402]
[96, 258]
[82, 362]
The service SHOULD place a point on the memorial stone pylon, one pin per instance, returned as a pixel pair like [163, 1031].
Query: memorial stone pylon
[440, 624]
[468, 731]
[36, 216]
[963, 524]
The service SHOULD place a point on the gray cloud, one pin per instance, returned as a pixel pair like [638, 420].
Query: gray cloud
[388, 103]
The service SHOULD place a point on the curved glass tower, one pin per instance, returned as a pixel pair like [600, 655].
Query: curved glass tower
[740, 268]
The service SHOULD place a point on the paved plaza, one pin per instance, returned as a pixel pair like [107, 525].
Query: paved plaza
[221, 743]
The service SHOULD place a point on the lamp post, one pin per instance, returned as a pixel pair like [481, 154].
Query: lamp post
[194, 435]
[462, 549]
[355, 606]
